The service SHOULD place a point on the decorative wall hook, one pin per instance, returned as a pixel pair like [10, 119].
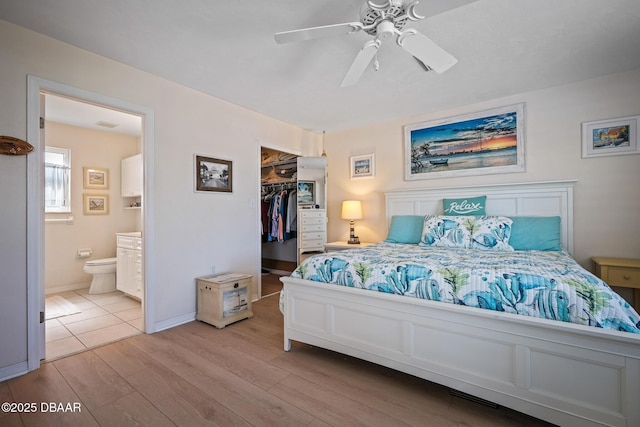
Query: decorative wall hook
[14, 147]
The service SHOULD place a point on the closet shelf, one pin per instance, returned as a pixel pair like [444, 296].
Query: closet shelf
[293, 183]
[280, 163]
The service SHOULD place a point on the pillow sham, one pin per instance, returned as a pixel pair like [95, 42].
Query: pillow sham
[465, 206]
[469, 232]
[541, 233]
[405, 229]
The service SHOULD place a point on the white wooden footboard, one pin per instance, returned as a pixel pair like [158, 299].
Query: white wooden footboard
[565, 374]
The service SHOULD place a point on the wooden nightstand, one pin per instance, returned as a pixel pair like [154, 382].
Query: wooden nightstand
[341, 246]
[621, 272]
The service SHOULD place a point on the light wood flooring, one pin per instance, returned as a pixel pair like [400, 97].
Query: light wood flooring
[271, 284]
[197, 375]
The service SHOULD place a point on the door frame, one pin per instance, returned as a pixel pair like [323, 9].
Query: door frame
[35, 210]
[260, 146]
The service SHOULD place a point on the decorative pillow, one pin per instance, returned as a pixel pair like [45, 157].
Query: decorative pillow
[492, 233]
[541, 233]
[468, 232]
[467, 206]
[405, 229]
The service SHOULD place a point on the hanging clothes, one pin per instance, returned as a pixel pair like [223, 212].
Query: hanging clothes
[292, 213]
[281, 214]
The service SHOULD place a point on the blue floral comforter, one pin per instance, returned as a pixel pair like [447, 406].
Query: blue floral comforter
[545, 284]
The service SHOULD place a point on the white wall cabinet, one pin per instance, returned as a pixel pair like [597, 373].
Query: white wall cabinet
[131, 181]
[129, 264]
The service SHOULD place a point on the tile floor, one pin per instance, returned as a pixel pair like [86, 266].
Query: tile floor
[104, 318]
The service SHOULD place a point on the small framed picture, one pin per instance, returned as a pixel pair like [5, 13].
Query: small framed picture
[612, 137]
[363, 166]
[96, 178]
[96, 204]
[213, 174]
[306, 193]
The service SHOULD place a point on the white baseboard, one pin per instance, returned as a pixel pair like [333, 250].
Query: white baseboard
[176, 321]
[13, 371]
[66, 288]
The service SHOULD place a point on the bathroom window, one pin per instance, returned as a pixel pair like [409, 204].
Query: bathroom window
[57, 180]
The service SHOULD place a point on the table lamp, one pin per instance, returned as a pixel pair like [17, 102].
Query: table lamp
[351, 210]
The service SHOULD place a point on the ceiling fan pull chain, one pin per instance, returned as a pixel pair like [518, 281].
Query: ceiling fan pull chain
[376, 64]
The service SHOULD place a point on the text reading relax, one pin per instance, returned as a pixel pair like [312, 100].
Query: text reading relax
[464, 207]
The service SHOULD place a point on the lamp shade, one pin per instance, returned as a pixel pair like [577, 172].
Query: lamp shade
[351, 209]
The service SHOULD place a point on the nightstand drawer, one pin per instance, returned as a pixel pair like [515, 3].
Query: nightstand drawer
[626, 277]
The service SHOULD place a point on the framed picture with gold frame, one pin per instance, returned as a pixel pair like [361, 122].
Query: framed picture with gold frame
[95, 204]
[95, 178]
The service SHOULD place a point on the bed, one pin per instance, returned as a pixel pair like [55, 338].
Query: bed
[564, 373]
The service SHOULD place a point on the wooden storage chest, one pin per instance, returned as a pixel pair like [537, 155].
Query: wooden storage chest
[223, 298]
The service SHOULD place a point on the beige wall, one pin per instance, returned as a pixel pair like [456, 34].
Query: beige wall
[89, 148]
[607, 194]
[192, 231]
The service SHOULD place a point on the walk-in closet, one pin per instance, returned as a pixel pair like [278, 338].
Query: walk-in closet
[292, 213]
[278, 210]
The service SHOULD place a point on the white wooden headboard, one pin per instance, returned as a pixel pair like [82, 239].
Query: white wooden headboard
[552, 198]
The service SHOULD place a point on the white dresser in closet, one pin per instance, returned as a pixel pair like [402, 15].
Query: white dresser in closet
[312, 232]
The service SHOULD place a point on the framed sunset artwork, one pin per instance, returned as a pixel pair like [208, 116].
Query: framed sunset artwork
[482, 143]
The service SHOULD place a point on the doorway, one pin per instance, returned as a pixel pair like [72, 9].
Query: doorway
[99, 142]
[278, 247]
[35, 214]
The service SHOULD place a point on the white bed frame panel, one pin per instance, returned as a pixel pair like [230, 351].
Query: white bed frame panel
[566, 374]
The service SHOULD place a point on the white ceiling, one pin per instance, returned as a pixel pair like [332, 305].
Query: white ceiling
[75, 113]
[227, 49]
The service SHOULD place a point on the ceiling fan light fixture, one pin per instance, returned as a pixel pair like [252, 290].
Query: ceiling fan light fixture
[385, 29]
[380, 21]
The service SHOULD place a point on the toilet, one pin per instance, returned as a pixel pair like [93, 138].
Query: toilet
[104, 275]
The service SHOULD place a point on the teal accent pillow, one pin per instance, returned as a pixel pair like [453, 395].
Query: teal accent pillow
[541, 233]
[465, 206]
[405, 229]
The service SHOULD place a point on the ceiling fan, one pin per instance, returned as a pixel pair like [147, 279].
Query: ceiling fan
[382, 21]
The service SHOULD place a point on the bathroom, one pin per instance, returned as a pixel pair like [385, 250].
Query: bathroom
[77, 319]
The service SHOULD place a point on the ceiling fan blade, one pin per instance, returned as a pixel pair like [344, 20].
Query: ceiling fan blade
[426, 51]
[361, 62]
[318, 32]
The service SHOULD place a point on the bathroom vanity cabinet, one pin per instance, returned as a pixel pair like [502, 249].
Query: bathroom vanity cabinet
[129, 264]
